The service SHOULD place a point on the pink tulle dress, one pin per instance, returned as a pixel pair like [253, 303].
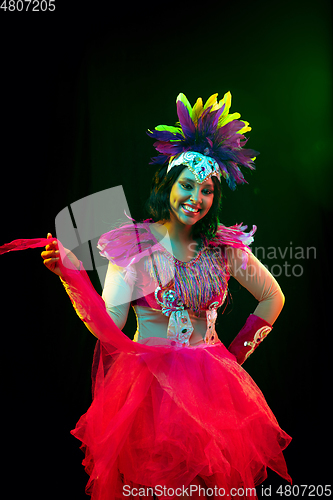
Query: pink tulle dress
[174, 404]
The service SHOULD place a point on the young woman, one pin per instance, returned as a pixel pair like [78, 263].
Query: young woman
[174, 414]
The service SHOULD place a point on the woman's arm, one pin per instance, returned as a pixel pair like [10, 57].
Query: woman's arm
[117, 294]
[259, 282]
[264, 287]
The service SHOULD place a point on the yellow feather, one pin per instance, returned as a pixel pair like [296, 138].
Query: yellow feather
[245, 129]
[219, 104]
[227, 101]
[197, 110]
[211, 101]
[224, 119]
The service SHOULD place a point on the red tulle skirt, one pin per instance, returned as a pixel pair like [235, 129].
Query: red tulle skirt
[163, 414]
[161, 420]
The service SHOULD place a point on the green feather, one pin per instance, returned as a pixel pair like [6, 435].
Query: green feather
[169, 128]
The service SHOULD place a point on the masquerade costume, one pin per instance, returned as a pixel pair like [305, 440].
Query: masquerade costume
[175, 403]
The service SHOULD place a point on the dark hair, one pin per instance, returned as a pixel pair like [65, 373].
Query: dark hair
[158, 203]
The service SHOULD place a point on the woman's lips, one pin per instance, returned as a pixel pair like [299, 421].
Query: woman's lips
[190, 209]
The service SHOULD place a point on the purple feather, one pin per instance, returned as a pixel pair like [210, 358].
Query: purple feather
[168, 148]
[164, 135]
[185, 120]
[159, 160]
[225, 144]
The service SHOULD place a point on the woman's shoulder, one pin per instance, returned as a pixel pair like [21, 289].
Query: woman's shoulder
[127, 243]
[232, 236]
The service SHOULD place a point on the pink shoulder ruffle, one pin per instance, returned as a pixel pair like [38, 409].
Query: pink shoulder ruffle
[235, 237]
[127, 244]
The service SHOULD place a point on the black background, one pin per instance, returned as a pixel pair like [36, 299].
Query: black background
[79, 88]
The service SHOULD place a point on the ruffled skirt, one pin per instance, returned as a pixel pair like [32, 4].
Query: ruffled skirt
[164, 415]
[161, 420]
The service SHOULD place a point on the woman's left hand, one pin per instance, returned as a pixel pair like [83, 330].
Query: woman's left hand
[51, 256]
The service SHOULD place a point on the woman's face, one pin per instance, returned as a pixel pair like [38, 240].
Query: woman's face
[190, 201]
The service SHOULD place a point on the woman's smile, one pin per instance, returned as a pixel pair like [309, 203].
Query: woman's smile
[189, 200]
[190, 209]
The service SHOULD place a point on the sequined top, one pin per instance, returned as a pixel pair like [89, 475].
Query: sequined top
[183, 290]
[171, 298]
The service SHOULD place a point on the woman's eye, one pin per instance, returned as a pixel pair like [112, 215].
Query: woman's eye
[189, 187]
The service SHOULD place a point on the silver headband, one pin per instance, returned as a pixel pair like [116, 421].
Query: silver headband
[203, 167]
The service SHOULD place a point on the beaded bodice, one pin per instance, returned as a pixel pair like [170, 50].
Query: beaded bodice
[178, 289]
[187, 288]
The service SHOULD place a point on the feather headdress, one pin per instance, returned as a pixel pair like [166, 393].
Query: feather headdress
[210, 130]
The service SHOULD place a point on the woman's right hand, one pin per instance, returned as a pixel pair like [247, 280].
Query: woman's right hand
[51, 256]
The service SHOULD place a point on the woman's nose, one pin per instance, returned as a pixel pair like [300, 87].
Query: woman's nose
[196, 196]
